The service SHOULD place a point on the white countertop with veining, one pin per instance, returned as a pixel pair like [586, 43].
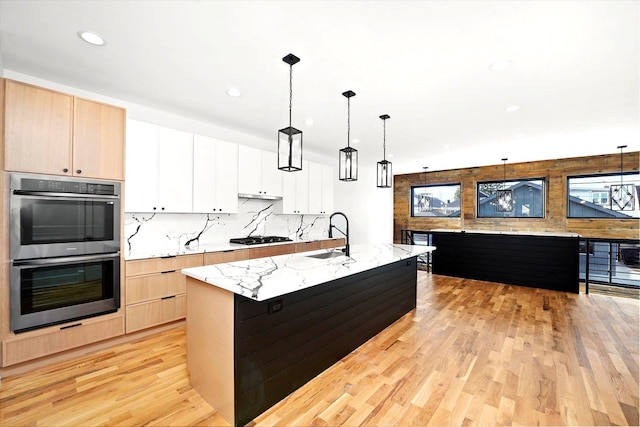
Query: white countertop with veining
[264, 278]
[516, 233]
[158, 252]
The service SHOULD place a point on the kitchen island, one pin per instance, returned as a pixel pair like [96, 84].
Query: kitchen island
[259, 329]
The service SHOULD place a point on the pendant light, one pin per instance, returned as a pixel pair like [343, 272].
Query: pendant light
[504, 197]
[290, 138]
[348, 160]
[385, 174]
[620, 194]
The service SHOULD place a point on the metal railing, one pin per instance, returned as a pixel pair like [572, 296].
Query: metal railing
[418, 237]
[610, 262]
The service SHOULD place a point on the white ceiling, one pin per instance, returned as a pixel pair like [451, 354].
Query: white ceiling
[575, 70]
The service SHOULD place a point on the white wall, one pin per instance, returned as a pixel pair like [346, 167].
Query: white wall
[370, 209]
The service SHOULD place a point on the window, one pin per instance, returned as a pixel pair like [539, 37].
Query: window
[604, 196]
[511, 199]
[435, 200]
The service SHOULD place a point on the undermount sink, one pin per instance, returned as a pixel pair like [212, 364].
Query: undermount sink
[326, 255]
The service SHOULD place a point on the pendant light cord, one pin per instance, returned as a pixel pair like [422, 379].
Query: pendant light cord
[621, 147]
[290, 91]
[348, 121]
[384, 139]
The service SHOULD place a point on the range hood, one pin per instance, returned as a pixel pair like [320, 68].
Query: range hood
[258, 196]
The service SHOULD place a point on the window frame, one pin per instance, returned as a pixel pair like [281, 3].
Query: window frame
[598, 175]
[515, 181]
[448, 184]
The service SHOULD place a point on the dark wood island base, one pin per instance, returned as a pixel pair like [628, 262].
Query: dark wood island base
[245, 355]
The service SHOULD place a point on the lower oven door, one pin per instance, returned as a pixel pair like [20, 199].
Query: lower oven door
[50, 291]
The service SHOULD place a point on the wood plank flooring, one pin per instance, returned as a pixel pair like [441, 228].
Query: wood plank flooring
[472, 353]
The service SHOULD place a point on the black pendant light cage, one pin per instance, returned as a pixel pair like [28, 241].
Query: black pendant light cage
[290, 138]
[621, 196]
[348, 156]
[385, 173]
[504, 198]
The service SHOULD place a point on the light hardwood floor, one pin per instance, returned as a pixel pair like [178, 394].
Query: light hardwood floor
[472, 353]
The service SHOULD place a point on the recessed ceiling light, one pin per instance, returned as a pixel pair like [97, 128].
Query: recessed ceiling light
[500, 65]
[511, 108]
[92, 38]
[233, 92]
[308, 122]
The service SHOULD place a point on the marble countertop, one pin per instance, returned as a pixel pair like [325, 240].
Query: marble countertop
[516, 233]
[157, 252]
[265, 278]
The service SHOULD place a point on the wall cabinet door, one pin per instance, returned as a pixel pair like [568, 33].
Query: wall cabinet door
[249, 170]
[38, 129]
[295, 190]
[258, 172]
[320, 188]
[215, 175]
[271, 175]
[58, 134]
[159, 169]
[328, 178]
[141, 185]
[175, 171]
[98, 140]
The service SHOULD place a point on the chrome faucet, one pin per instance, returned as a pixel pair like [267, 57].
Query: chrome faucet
[331, 227]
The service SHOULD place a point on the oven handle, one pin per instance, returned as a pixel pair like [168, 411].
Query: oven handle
[66, 195]
[65, 260]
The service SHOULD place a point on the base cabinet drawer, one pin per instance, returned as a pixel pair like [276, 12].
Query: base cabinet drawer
[226, 256]
[153, 313]
[154, 286]
[22, 348]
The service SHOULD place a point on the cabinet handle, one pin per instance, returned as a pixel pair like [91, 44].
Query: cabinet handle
[162, 208]
[169, 297]
[65, 170]
[71, 326]
[167, 272]
[154, 208]
[168, 256]
[78, 171]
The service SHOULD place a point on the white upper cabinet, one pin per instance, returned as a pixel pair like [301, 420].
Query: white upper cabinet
[320, 188]
[295, 191]
[258, 172]
[175, 167]
[159, 167]
[141, 179]
[328, 177]
[215, 175]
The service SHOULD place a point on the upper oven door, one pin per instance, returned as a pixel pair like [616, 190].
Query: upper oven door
[44, 225]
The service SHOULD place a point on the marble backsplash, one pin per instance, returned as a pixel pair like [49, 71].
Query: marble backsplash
[255, 217]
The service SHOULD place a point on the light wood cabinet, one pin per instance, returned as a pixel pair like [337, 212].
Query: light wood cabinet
[159, 169]
[58, 134]
[32, 345]
[295, 191]
[215, 175]
[226, 256]
[98, 140]
[268, 251]
[155, 290]
[258, 172]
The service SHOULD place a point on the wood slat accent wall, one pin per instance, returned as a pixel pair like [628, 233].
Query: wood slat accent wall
[555, 173]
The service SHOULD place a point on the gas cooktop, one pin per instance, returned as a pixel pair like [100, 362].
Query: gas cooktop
[256, 240]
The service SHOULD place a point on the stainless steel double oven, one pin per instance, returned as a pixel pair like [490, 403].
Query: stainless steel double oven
[64, 248]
